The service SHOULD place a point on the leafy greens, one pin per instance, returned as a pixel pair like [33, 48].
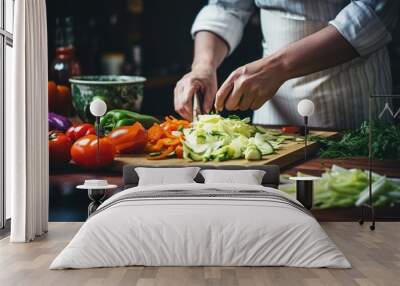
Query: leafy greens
[385, 142]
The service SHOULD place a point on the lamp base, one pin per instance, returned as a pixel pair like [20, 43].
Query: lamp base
[304, 193]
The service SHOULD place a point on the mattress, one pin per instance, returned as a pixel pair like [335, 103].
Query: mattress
[201, 225]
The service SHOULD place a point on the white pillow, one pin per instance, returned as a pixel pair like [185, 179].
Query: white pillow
[166, 176]
[248, 177]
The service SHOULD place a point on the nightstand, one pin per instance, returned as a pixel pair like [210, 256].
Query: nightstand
[96, 191]
[304, 190]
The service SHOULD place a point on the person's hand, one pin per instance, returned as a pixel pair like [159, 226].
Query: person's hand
[251, 85]
[203, 80]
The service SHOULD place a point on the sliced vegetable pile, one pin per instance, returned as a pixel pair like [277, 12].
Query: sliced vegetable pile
[214, 138]
[385, 142]
[211, 138]
[340, 187]
[165, 139]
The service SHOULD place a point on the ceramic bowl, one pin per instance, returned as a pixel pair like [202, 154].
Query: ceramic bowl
[119, 92]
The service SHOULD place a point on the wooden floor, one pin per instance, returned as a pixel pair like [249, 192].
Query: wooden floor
[375, 257]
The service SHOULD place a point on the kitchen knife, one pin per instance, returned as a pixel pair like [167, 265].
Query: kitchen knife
[197, 103]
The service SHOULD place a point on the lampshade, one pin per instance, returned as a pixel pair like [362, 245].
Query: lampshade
[98, 107]
[305, 107]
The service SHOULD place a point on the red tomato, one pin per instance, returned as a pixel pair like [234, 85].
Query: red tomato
[52, 95]
[64, 100]
[59, 149]
[129, 139]
[290, 129]
[76, 132]
[84, 152]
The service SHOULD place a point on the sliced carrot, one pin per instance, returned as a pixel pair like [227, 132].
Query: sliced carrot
[162, 140]
[169, 141]
[169, 135]
[155, 133]
[168, 126]
[164, 154]
[156, 147]
[173, 124]
[150, 148]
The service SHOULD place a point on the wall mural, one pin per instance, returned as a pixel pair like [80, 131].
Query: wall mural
[118, 65]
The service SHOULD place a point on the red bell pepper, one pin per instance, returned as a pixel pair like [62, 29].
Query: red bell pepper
[129, 139]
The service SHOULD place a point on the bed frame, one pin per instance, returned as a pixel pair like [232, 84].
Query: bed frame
[270, 179]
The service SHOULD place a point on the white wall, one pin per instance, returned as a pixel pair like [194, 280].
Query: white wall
[9, 11]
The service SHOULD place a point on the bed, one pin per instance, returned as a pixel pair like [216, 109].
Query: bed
[197, 224]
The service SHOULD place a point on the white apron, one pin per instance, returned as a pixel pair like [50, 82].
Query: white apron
[340, 94]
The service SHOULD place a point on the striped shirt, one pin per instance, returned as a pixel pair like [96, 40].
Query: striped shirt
[366, 24]
[340, 93]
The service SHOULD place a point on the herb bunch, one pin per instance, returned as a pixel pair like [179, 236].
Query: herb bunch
[385, 142]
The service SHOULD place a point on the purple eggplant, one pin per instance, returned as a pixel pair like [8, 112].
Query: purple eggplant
[58, 122]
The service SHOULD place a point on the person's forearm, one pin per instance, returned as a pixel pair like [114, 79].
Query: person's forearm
[209, 51]
[251, 85]
[321, 50]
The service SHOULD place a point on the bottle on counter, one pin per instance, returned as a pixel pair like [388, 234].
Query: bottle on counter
[64, 65]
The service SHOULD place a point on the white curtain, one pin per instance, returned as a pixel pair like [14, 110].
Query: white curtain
[26, 133]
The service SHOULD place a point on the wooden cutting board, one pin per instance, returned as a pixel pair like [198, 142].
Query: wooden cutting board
[289, 153]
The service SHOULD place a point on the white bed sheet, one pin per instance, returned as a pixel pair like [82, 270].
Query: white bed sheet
[200, 231]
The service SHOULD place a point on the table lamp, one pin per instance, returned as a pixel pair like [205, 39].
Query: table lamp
[98, 108]
[305, 108]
